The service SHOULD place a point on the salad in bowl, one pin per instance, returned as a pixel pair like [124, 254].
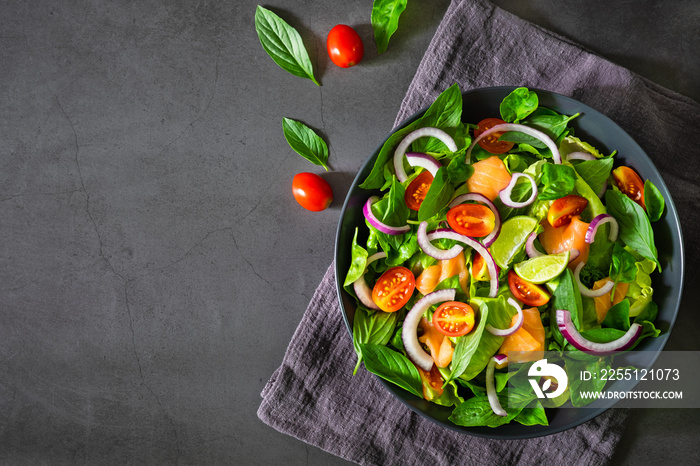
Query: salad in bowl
[488, 243]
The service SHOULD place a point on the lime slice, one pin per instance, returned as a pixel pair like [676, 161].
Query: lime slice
[512, 238]
[542, 269]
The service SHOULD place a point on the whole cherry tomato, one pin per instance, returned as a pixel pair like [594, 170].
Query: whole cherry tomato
[311, 191]
[344, 46]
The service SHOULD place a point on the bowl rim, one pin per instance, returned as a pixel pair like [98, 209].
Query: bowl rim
[527, 431]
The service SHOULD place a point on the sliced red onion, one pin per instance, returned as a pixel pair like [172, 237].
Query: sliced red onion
[489, 239]
[501, 359]
[409, 332]
[530, 248]
[535, 133]
[505, 194]
[478, 247]
[587, 292]
[491, 388]
[363, 292]
[374, 221]
[579, 156]
[597, 222]
[573, 254]
[408, 140]
[568, 330]
[432, 251]
[419, 159]
[514, 328]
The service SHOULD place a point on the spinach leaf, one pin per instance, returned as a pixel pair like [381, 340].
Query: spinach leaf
[375, 328]
[595, 172]
[556, 181]
[552, 124]
[385, 20]
[358, 261]
[618, 316]
[518, 104]
[438, 196]
[393, 367]
[654, 201]
[635, 229]
[624, 266]
[476, 411]
[305, 142]
[283, 43]
[648, 313]
[458, 172]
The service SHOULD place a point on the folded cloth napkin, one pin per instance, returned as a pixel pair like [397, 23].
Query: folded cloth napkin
[313, 395]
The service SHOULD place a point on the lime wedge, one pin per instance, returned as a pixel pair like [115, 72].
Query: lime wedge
[512, 238]
[543, 268]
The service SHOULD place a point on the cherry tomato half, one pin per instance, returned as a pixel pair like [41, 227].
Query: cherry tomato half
[344, 46]
[630, 183]
[454, 318]
[526, 292]
[480, 272]
[474, 220]
[491, 142]
[393, 289]
[311, 191]
[432, 382]
[416, 191]
[561, 210]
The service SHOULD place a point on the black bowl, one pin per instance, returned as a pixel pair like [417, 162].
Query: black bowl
[597, 129]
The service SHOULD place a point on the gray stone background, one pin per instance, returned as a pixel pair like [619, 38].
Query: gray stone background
[153, 262]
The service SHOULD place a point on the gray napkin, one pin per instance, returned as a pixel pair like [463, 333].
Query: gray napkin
[313, 395]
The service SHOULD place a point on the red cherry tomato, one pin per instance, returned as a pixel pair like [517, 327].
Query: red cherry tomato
[491, 142]
[454, 318]
[311, 191]
[561, 210]
[432, 382]
[528, 293]
[630, 183]
[393, 289]
[344, 46]
[474, 220]
[479, 270]
[416, 191]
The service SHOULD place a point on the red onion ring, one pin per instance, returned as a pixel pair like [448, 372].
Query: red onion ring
[408, 140]
[374, 221]
[362, 291]
[599, 220]
[505, 193]
[585, 291]
[478, 247]
[579, 156]
[530, 248]
[514, 328]
[419, 159]
[432, 251]
[489, 239]
[568, 330]
[535, 133]
[491, 389]
[409, 332]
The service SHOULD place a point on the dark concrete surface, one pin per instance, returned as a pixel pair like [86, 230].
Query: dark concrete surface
[154, 264]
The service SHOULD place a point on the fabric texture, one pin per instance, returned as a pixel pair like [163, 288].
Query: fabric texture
[313, 395]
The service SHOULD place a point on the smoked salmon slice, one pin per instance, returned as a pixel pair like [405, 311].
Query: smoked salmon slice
[566, 238]
[489, 178]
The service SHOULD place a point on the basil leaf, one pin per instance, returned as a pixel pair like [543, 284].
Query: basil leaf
[466, 346]
[358, 261]
[376, 328]
[635, 229]
[518, 104]
[385, 20]
[556, 181]
[567, 296]
[305, 142]
[533, 415]
[283, 43]
[654, 201]
[624, 266]
[595, 172]
[393, 367]
[445, 113]
[375, 179]
[552, 125]
[458, 172]
[618, 316]
[396, 212]
[438, 196]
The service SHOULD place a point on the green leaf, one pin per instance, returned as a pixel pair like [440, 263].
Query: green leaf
[466, 345]
[392, 367]
[305, 142]
[618, 316]
[624, 266]
[375, 180]
[556, 181]
[518, 104]
[283, 43]
[654, 201]
[595, 172]
[375, 328]
[445, 113]
[458, 171]
[577, 385]
[553, 125]
[438, 196]
[358, 261]
[534, 414]
[385, 20]
[635, 229]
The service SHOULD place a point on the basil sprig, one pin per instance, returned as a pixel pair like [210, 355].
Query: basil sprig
[283, 43]
[305, 142]
[385, 20]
